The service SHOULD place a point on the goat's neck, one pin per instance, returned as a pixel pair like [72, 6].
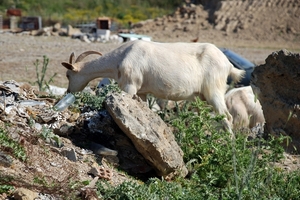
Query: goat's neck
[103, 67]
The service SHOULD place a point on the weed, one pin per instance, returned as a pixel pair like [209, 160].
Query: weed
[5, 188]
[94, 102]
[234, 168]
[50, 137]
[219, 167]
[152, 189]
[9, 145]
[40, 74]
[151, 100]
[40, 181]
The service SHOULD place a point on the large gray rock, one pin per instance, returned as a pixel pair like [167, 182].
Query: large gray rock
[149, 134]
[277, 84]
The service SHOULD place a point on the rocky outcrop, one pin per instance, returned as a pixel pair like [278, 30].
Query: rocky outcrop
[149, 134]
[277, 84]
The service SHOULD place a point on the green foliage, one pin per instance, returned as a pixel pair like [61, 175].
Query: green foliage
[152, 189]
[95, 102]
[225, 167]
[50, 137]
[9, 145]
[219, 167]
[5, 188]
[40, 181]
[41, 73]
[70, 12]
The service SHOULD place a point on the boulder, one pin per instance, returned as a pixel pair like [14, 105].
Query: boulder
[148, 132]
[277, 85]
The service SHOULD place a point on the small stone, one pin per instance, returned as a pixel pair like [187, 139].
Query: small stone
[70, 154]
[5, 160]
[102, 150]
[25, 194]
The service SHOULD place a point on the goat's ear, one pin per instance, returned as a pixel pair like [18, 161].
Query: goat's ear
[69, 66]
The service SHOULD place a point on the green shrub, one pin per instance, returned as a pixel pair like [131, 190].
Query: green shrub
[224, 167]
[95, 102]
[4, 188]
[152, 189]
[219, 167]
[13, 147]
[68, 12]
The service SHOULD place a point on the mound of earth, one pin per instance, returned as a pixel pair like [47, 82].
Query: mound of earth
[273, 22]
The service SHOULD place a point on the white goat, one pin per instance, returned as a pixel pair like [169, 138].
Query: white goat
[173, 71]
[244, 108]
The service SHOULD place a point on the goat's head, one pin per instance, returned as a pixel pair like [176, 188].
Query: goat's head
[77, 79]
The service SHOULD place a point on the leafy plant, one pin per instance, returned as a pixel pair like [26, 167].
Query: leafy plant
[219, 167]
[228, 167]
[152, 189]
[9, 145]
[5, 188]
[95, 102]
[41, 73]
[40, 181]
[50, 137]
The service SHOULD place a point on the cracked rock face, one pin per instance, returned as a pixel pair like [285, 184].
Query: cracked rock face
[149, 134]
[277, 84]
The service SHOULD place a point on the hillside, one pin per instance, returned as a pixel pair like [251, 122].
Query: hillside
[270, 23]
[252, 28]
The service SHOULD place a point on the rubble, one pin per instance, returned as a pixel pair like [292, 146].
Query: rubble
[246, 20]
[74, 136]
[29, 119]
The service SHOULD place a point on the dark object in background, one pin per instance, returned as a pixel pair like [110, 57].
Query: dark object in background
[241, 63]
[31, 23]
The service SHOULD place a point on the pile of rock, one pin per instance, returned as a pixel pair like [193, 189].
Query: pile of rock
[147, 145]
[247, 20]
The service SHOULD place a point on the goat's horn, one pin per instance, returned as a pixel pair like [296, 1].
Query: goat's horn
[85, 54]
[72, 56]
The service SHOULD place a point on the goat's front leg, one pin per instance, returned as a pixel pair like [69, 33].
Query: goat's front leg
[130, 89]
[217, 100]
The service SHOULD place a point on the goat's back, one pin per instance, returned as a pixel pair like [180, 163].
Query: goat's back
[175, 71]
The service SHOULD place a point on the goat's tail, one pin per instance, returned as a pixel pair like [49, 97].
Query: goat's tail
[236, 74]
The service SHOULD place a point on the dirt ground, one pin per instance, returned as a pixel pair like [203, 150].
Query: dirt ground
[253, 29]
[18, 53]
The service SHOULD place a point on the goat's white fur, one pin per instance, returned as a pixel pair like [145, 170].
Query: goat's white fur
[173, 71]
[244, 107]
